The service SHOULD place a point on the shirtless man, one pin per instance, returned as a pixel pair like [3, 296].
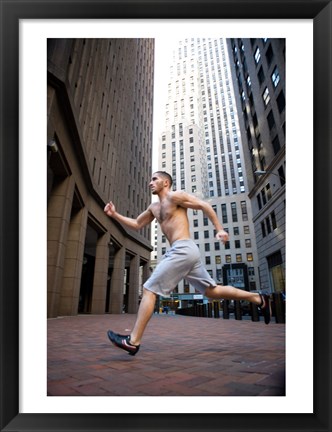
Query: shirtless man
[182, 260]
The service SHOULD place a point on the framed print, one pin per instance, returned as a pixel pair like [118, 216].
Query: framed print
[15, 199]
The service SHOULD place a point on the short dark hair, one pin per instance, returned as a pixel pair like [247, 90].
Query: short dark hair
[165, 174]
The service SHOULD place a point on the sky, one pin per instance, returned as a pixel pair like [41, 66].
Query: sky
[163, 57]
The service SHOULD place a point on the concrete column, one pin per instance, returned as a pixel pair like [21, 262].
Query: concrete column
[100, 275]
[70, 290]
[58, 217]
[117, 281]
[133, 285]
[146, 272]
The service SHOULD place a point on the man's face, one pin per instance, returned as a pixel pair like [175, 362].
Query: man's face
[156, 184]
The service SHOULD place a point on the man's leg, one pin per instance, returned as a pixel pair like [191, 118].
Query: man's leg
[131, 343]
[144, 314]
[228, 292]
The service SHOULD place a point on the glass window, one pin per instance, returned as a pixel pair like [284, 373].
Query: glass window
[266, 96]
[257, 55]
[244, 211]
[274, 220]
[234, 212]
[275, 77]
[249, 257]
[263, 229]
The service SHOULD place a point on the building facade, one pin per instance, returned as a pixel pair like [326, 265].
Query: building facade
[99, 141]
[201, 148]
[258, 68]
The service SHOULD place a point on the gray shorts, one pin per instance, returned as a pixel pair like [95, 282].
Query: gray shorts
[181, 261]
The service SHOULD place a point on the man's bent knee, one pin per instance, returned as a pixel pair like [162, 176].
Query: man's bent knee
[149, 293]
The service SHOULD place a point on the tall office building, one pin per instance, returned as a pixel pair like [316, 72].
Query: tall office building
[258, 67]
[201, 148]
[99, 131]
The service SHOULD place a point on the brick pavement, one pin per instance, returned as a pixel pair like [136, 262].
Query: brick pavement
[179, 356]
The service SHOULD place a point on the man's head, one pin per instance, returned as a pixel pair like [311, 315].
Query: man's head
[159, 180]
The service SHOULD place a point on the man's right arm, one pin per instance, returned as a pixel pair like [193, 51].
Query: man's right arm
[136, 224]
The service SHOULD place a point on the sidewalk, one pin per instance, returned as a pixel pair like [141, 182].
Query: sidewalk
[179, 356]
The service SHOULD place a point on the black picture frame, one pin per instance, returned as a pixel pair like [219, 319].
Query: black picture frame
[11, 12]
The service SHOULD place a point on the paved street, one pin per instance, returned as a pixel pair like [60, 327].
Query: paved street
[179, 356]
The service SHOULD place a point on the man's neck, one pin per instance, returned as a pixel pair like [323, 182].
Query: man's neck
[163, 194]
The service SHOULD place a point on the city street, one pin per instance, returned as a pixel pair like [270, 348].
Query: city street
[179, 356]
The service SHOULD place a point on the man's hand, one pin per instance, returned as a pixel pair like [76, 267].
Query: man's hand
[109, 209]
[222, 235]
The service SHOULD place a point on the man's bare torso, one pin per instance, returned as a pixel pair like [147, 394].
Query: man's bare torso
[173, 219]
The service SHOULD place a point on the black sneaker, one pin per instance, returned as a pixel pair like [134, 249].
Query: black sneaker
[123, 342]
[265, 307]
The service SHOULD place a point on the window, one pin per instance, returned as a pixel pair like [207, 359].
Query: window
[196, 235]
[244, 211]
[275, 77]
[218, 259]
[281, 102]
[259, 202]
[207, 247]
[246, 229]
[268, 225]
[249, 256]
[269, 54]
[237, 244]
[251, 271]
[224, 213]
[228, 258]
[261, 76]
[257, 55]
[234, 212]
[270, 120]
[274, 221]
[248, 243]
[236, 231]
[206, 234]
[266, 96]
[281, 173]
[263, 229]
[217, 246]
[276, 144]
[238, 257]
[207, 260]
[268, 192]
[195, 222]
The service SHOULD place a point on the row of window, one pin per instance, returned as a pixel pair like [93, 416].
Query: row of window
[269, 224]
[228, 258]
[207, 246]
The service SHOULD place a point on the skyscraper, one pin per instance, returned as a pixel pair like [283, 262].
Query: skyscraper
[258, 67]
[99, 131]
[201, 148]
